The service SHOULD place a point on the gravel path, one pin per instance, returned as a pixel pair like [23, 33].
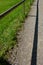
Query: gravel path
[26, 37]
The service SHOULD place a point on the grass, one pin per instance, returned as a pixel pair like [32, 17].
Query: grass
[6, 4]
[10, 24]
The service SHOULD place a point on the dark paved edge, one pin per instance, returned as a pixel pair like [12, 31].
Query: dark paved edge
[35, 41]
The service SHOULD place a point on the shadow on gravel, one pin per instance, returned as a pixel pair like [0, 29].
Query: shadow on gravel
[32, 15]
[3, 62]
[35, 41]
